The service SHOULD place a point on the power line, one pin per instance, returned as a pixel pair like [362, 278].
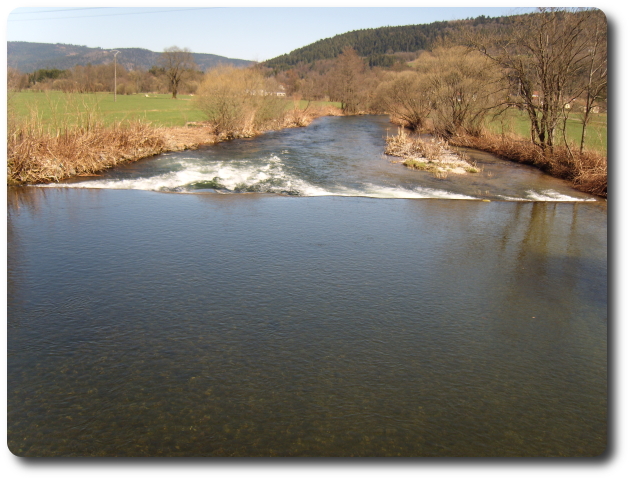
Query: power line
[58, 10]
[112, 14]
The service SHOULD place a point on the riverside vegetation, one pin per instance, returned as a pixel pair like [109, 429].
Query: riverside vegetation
[434, 155]
[75, 137]
[529, 88]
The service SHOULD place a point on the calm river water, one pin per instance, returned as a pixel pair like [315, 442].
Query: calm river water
[349, 307]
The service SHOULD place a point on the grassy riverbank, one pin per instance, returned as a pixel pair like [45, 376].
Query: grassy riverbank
[509, 138]
[52, 136]
[587, 171]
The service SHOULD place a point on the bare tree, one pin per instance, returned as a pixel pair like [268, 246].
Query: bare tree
[177, 63]
[464, 87]
[596, 81]
[239, 101]
[16, 80]
[345, 80]
[543, 53]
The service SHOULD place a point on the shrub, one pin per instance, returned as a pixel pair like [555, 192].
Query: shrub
[239, 102]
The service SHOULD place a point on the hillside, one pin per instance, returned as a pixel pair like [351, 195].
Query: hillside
[376, 44]
[28, 57]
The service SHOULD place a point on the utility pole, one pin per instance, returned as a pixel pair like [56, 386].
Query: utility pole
[116, 52]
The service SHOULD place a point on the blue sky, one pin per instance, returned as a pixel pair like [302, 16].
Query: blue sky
[251, 33]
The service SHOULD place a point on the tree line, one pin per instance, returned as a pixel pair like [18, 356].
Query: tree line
[175, 72]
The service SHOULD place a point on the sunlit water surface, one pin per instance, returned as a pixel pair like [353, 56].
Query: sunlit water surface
[426, 324]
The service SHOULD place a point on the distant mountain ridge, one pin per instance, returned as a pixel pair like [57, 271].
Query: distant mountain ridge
[29, 56]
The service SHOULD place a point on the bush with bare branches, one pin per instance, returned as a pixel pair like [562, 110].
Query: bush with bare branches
[239, 102]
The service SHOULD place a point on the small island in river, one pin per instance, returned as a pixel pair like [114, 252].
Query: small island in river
[431, 155]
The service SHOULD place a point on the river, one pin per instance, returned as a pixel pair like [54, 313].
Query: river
[299, 294]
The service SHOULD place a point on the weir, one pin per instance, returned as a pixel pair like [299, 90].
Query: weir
[338, 156]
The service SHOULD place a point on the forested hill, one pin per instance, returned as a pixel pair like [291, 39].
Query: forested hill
[28, 57]
[375, 44]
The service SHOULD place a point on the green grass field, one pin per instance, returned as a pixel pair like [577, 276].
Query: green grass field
[55, 108]
[515, 121]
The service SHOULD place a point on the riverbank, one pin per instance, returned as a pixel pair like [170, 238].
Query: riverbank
[36, 155]
[587, 171]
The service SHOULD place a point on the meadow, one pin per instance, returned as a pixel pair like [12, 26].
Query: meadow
[56, 108]
[596, 140]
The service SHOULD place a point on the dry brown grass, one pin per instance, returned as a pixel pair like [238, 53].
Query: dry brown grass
[40, 152]
[36, 154]
[587, 171]
[207, 133]
[298, 117]
[403, 145]
[190, 137]
[431, 155]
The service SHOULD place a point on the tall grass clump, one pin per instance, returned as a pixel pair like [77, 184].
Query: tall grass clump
[80, 144]
[403, 145]
[432, 155]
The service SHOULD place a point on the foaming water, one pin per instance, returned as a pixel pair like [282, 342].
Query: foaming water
[264, 175]
[551, 196]
[334, 156]
[267, 175]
